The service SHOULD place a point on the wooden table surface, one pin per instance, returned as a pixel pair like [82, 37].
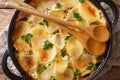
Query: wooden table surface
[112, 74]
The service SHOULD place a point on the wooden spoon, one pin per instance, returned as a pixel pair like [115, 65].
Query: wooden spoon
[93, 46]
[98, 33]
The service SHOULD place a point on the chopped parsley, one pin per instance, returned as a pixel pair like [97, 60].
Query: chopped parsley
[52, 78]
[68, 36]
[47, 45]
[81, 1]
[49, 64]
[27, 37]
[58, 5]
[85, 51]
[41, 69]
[91, 66]
[63, 52]
[78, 17]
[57, 61]
[44, 22]
[41, 23]
[77, 73]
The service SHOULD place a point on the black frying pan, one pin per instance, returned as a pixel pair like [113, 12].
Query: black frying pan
[10, 51]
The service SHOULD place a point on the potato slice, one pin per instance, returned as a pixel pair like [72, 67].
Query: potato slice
[21, 28]
[70, 16]
[59, 41]
[67, 75]
[74, 48]
[68, 3]
[52, 27]
[45, 5]
[84, 61]
[38, 41]
[61, 64]
[47, 73]
[59, 13]
[28, 63]
[22, 47]
[42, 55]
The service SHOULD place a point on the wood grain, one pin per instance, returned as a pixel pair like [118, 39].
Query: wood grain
[5, 17]
[2, 76]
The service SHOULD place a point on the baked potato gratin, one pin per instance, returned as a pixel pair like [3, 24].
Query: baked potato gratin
[47, 52]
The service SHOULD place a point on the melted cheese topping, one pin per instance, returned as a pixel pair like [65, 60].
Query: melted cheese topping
[49, 52]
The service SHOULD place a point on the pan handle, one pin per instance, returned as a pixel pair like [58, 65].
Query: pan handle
[6, 70]
[114, 11]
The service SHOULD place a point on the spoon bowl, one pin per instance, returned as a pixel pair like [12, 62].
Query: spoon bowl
[95, 47]
[101, 34]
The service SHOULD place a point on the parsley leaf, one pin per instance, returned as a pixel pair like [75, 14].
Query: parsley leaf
[85, 51]
[27, 37]
[41, 69]
[41, 23]
[91, 66]
[49, 64]
[58, 5]
[44, 22]
[77, 73]
[63, 52]
[81, 1]
[57, 61]
[52, 78]
[68, 36]
[78, 17]
[47, 45]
